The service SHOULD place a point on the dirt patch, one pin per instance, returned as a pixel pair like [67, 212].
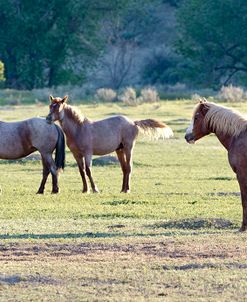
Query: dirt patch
[169, 249]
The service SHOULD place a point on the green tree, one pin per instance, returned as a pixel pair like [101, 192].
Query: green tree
[213, 36]
[2, 78]
[50, 42]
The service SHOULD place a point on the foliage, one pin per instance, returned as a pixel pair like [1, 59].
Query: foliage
[161, 69]
[2, 78]
[128, 97]
[213, 35]
[149, 95]
[125, 30]
[174, 3]
[232, 94]
[43, 41]
[106, 95]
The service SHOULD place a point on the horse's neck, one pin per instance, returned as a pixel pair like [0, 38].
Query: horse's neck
[224, 134]
[69, 126]
[225, 140]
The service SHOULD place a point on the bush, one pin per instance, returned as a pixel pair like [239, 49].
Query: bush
[232, 94]
[128, 97]
[2, 72]
[106, 95]
[149, 95]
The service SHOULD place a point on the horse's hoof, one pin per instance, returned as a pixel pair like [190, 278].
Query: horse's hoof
[243, 228]
[40, 192]
[125, 191]
[96, 190]
[55, 191]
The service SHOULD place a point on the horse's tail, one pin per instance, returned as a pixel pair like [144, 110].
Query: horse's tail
[60, 149]
[154, 128]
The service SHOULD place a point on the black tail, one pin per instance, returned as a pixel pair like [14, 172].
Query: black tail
[60, 149]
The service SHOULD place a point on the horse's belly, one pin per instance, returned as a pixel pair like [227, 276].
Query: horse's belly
[105, 149]
[12, 154]
[12, 151]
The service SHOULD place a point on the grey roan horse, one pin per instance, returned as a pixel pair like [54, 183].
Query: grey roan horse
[19, 139]
[86, 138]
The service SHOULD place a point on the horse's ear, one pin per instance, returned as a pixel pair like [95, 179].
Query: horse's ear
[204, 108]
[51, 98]
[203, 100]
[65, 99]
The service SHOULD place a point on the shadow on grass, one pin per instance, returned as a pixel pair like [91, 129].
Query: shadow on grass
[221, 178]
[237, 194]
[14, 279]
[102, 235]
[193, 266]
[195, 224]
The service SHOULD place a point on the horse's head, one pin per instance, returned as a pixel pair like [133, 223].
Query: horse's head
[56, 109]
[198, 128]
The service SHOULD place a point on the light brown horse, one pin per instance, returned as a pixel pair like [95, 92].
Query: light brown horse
[86, 138]
[230, 127]
[19, 139]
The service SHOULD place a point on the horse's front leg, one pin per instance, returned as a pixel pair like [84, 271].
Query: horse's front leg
[88, 163]
[243, 188]
[81, 166]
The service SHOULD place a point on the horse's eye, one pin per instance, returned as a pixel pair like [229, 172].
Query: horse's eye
[196, 117]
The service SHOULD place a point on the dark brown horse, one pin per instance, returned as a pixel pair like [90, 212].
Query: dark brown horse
[86, 138]
[231, 129]
[19, 139]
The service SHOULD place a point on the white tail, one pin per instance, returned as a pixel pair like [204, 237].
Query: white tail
[154, 128]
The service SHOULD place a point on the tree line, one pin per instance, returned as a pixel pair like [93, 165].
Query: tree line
[47, 43]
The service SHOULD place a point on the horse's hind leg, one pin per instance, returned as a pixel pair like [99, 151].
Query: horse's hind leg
[128, 150]
[122, 160]
[81, 166]
[46, 172]
[88, 163]
[54, 173]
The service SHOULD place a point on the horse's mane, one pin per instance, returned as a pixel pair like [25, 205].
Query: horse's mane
[75, 114]
[225, 120]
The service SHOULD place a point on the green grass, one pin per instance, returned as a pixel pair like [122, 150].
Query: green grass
[173, 238]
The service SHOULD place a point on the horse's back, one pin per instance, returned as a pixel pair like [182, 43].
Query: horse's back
[21, 138]
[108, 134]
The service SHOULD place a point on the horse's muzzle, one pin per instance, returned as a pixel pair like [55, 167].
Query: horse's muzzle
[190, 138]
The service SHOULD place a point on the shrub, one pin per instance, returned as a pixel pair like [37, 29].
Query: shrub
[149, 95]
[106, 95]
[2, 72]
[128, 97]
[231, 94]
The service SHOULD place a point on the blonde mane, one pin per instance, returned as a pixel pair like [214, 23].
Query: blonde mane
[75, 114]
[224, 120]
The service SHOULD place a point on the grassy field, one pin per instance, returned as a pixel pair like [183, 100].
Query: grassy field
[174, 238]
